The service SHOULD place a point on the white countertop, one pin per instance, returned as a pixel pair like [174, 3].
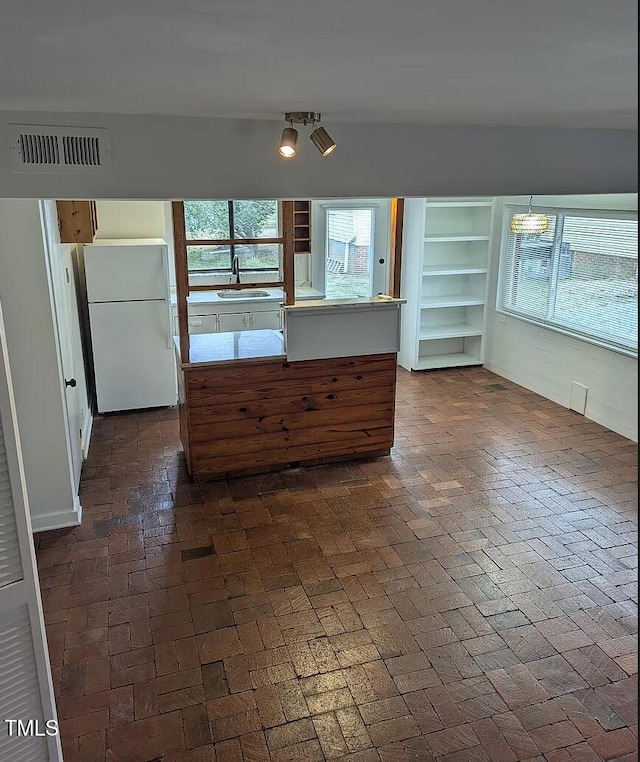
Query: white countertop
[275, 295]
[337, 304]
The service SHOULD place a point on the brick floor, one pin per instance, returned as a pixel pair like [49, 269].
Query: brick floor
[471, 597]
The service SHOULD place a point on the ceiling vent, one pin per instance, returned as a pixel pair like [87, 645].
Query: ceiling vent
[78, 150]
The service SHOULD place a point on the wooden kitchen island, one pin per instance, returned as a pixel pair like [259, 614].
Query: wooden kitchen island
[248, 414]
[321, 390]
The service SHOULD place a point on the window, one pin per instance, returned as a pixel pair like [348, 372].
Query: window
[213, 227]
[349, 253]
[351, 247]
[580, 276]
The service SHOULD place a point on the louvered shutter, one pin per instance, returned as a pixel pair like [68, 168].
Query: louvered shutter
[19, 688]
[10, 564]
[26, 691]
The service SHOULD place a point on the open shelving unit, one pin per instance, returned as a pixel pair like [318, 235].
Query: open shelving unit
[445, 281]
[302, 227]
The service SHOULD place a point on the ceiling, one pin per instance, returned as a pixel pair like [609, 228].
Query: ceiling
[484, 62]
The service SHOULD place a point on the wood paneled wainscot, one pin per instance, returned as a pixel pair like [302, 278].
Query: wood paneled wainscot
[269, 413]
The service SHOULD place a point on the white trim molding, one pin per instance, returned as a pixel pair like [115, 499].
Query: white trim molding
[60, 520]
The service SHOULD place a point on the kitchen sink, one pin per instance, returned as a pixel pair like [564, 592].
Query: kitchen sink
[243, 293]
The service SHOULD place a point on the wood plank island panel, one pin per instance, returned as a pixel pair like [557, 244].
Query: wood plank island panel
[266, 415]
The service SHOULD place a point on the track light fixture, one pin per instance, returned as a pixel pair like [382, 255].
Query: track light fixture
[319, 137]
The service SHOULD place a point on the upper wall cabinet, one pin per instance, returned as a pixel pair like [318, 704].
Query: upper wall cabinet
[445, 281]
[78, 221]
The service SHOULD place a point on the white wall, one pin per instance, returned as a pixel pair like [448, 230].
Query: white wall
[137, 219]
[130, 219]
[547, 362]
[165, 157]
[32, 349]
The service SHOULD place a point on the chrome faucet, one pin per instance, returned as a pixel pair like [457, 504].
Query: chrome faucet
[235, 268]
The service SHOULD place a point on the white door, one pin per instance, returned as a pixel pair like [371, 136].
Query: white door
[133, 355]
[70, 353]
[73, 380]
[121, 272]
[351, 247]
[27, 704]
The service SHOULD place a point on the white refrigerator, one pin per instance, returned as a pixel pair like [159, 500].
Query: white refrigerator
[130, 321]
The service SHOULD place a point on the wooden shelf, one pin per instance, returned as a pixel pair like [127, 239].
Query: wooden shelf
[456, 204]
[454, 238]
[454, 331]
[452, 270]
[302, 227]
[455, 360]
[459, 300]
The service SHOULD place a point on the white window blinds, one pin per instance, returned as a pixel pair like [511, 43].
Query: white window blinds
[581, 275]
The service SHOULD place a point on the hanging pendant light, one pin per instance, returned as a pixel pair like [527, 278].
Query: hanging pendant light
[529, 223]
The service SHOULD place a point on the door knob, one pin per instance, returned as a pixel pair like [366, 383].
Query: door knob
[71, 382]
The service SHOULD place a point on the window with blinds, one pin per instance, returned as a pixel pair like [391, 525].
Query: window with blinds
[580, 276]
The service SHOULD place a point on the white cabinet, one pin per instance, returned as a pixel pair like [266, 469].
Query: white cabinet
[248, 321]
[198, 324]
[266, 319]
[232, 321]
[445, 281]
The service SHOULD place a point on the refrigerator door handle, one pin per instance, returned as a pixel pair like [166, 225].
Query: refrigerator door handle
[165, 267]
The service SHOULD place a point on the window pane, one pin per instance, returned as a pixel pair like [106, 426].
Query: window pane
[529, 272]
[255, 219]
[206, 220]
[597, 290]
[208, 258]
[580, 275]
[349, 253]
[259, 256]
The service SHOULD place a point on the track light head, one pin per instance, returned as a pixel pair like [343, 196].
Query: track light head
[322, 141]
[288, 142]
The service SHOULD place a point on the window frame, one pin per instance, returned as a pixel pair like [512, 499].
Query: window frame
[505, 268]
[232, 242]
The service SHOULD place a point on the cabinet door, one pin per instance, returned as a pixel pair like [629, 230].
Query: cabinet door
[203, 324]
[234, 321]
[262, 320]
[78, 221]
[198, 324]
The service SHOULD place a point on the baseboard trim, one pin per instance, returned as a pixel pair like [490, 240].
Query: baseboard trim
[59, 520]
[87, 428]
